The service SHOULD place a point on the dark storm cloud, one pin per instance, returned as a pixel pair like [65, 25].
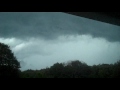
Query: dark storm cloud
[50, 25]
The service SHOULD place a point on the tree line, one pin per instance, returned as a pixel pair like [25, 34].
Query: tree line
[75, 69]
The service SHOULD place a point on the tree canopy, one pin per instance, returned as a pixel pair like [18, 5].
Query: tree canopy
[75, 69]
[9, 66]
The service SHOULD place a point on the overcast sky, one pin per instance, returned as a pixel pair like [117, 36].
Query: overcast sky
[40, 39]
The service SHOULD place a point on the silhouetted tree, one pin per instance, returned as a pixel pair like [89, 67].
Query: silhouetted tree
[105, 71]
[9, 66]
[116, 73]
[78, 69]
[57, 70]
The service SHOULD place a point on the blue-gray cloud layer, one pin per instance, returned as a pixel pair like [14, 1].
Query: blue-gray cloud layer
[50, 25]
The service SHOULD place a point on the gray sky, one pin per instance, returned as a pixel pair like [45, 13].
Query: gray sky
[40, 39]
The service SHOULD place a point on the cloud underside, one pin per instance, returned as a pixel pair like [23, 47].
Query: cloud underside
[37, 53]
[50, 25]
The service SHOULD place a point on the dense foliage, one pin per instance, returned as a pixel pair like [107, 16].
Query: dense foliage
[75, 69]
[9, 66]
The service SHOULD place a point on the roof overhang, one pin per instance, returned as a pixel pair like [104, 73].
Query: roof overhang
[108, 17]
